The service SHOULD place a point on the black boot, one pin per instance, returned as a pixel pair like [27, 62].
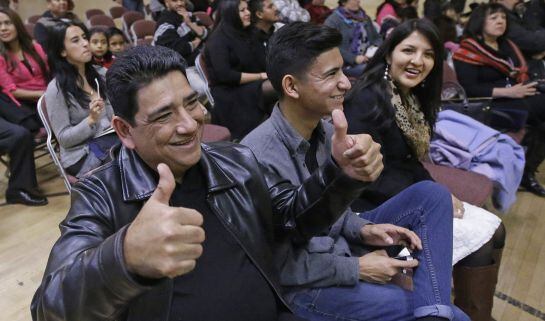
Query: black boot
[531, 184]
[534, 140]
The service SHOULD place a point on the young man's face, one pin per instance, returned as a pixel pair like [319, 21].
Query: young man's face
[323, 87]
[269, 12]
[175, 5]
[169, 123]
[58, 7]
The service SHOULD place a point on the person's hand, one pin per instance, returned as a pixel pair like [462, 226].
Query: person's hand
[263, 76]
[458, 209]
[196, 43]
[377, 267]
[163, 241]
[360, 59]
[358, 155]
[389, 234]
[539, 56]
[96, 106]
[185, 14]
[521, 90]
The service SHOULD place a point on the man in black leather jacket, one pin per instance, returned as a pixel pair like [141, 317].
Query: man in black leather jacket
[133, 245]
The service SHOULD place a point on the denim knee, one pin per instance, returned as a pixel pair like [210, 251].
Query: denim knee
[430, 193]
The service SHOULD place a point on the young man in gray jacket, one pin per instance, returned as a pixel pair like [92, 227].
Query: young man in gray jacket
[336, 275]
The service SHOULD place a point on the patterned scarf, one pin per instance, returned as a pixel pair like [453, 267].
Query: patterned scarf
[359, 35]
[472, 52]
[411, 121]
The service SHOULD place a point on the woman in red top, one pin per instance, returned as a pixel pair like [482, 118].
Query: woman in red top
[23, 70]
[23, 65]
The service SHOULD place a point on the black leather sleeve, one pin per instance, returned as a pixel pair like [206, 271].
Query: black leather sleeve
[315, 205]
[86, 278]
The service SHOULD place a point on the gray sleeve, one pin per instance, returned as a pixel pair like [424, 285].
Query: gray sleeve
[68, 135]
[310, 267]
[352, 228]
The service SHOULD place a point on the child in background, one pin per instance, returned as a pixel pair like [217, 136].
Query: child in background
[98, 43]
[116, 41]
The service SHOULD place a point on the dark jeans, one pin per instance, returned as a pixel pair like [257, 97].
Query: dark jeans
[535, 136]
[426, 209]
[17, 141]
[134, 5]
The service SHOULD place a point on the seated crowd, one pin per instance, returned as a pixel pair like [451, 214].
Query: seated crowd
[307, 217]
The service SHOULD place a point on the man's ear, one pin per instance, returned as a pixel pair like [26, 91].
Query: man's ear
[259, 15]
[123, 130]
[290, 86]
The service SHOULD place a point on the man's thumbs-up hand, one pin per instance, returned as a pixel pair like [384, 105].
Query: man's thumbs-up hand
[163, 241]
[358, 155]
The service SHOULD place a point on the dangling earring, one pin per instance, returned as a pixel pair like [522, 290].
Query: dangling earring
[423, 83]
[386, 72]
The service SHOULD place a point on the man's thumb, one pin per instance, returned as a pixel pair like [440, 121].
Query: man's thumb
[340, 124]
[165, 186]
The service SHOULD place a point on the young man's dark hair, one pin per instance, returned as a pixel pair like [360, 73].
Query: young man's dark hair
[294, 48]
[125, 77]
[255, 6]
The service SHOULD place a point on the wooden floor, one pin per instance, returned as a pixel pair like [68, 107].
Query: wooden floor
[27, 234]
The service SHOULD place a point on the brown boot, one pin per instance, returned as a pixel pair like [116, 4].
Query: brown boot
[474, 289]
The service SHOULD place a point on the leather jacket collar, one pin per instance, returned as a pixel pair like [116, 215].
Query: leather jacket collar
[138, 180]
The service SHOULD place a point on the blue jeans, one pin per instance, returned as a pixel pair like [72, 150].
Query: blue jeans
[426, 209]
[134, 5]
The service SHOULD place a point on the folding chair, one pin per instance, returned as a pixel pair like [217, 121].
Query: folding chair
[100, 20]
[127, 19]
[144, 42]
[42, 112]
[117, 12]
[34, 18]
[200, 64]
[142, 29]
[93, 12]
[29, 26]
[204, 18]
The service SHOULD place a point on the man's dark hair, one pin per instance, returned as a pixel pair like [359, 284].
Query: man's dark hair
[135, 69]
[255, 6]
[295, 47]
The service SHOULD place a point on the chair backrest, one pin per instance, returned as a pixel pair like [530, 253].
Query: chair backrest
[42, 112]
[141, 29]
[93, 12]
[101, 20]
[29, 26]
[144, 42]
[205, 19]
[200, 65]
[128, 18]
[34, 18]
[117, 12]
[449, 74]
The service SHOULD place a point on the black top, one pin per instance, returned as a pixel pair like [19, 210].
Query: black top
[239, 107]
[479, 81]
[529, 41]
[45, 22]
[225, 284]
[229, 53]
[401, 166]
[169, 33]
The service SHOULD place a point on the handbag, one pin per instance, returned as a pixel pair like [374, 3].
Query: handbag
[454, 97]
